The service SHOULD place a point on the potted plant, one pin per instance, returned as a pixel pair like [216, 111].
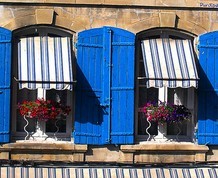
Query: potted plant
[163, 112]
[43, 109]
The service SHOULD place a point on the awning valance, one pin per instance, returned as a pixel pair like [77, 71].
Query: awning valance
[169, 62]
[45, 62]
[107, 172]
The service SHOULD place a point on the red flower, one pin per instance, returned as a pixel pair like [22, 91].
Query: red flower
[165, 112]
[43, 109]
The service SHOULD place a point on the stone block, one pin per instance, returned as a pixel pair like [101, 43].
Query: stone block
[200, 157]
[144, 25]
[102, 154]
[21, 22]
[127, 17]
[212, 154]
[214, 26]
[78, 157]
[103, 22]
[19, 12]
[145, 3]
[199, 30]
[186, 25]
[119, 2]
[63, 22]
[90, 2]
[177, 3]
[148, 14]
[41, 157]
[4, 155]
[104, 13]
[126, 158]
[167, 19]
[80, 24]
[62, 1]
[44, 16]
[5, 15]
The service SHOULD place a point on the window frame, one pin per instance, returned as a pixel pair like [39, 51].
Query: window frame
[163, 33]
[40, 30]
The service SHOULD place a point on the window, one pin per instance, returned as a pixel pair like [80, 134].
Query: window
[156, 86]
[33, 88]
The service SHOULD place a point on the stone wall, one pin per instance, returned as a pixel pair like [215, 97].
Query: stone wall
[134, 20]
[139, 3]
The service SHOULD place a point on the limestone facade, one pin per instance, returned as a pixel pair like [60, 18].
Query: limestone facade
[132, 19]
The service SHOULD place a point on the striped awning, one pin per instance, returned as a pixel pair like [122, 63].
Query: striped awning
[79, 172]
[169, 62]
[45, 62]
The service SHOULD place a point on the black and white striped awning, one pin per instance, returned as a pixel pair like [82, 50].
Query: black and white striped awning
[45, 62]
[169, 62]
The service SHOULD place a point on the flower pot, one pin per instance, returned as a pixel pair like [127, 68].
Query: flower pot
[162, 129]
[39, 132]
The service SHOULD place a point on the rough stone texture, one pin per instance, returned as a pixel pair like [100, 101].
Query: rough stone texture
[140, 154]
[45, 151]
[162, 3]
[63, 22]
[102, 154]
[144, 25]
[5, 15]
[164, 157]
[167, 19]
[4, 155]
[44, 16]
[166, 153]
[103, 22]
[21, 22]
[212, 154]
[135, 20]
[126, 158]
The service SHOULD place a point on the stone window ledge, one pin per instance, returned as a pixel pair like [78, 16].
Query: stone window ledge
[42, 151]
[173, 146]
[165, 152]
[55, 146]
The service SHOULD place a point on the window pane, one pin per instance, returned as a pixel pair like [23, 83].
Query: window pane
[174, 129]
[177, 96]
[145, 95]
[23, 95]
[143, 125]
[59, 124]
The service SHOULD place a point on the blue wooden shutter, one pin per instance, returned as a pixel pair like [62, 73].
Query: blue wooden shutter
[5, 81]
[208, 89]
[122, 87]
[105, 81]
[89, 113]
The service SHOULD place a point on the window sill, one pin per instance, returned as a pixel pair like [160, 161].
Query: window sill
[173, 152]
[172, 146]
[43, 151]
